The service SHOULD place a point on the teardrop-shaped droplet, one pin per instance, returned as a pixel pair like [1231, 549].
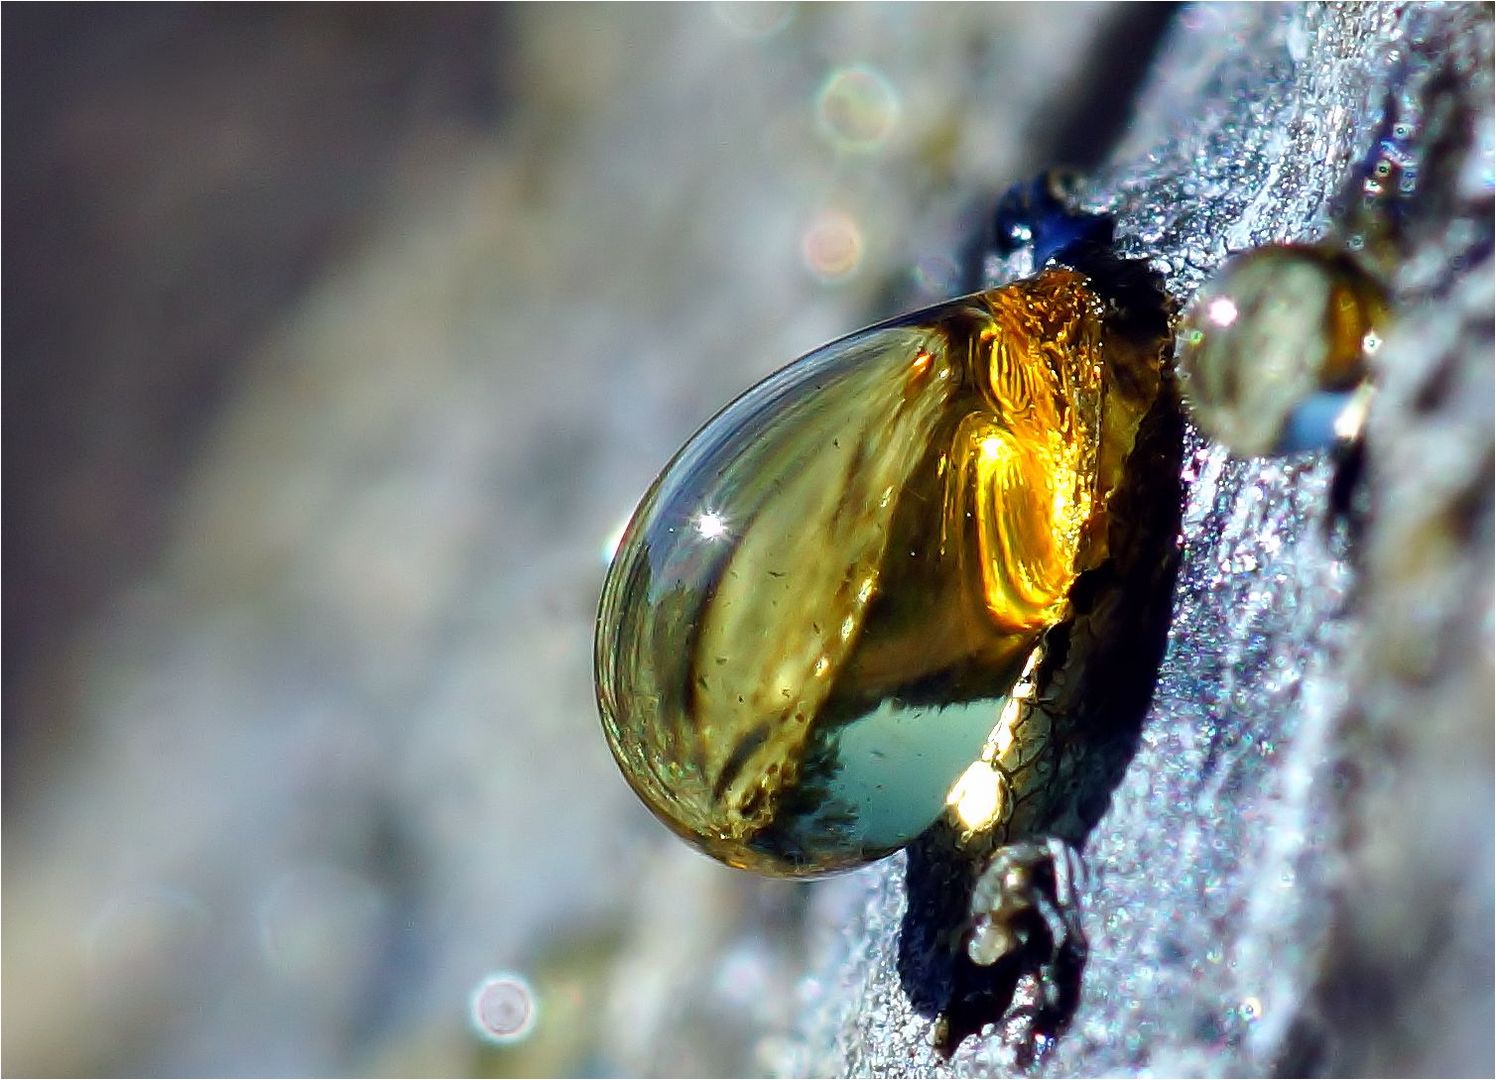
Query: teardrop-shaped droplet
[813, 620]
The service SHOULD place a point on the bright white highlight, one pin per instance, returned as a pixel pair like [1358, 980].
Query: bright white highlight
[711, 525]
[1221, 311]
[614, 539]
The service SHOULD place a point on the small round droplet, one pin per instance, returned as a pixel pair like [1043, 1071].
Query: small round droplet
[1273, 348]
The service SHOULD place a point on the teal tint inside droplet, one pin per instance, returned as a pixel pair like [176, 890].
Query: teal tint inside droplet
[897, 763]
[1311, 425]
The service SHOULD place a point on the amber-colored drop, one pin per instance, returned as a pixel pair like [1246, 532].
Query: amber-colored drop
[818, 609]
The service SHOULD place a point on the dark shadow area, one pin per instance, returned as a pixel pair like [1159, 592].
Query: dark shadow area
[1106, 663]
[943, 983]
[1087, 122]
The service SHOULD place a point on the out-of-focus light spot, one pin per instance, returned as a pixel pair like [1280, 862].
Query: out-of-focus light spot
[745, 974]
[857, 108]
[141, 934]
[320, 922]
[754, 18]
[1251, 1008]
[936, 275]
[1222, 311]
[503, 1008]
[711, 525]
[614, 538]
[832, 245]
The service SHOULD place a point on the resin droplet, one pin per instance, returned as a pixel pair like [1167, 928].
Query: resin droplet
[818, 609]
[1273, 347]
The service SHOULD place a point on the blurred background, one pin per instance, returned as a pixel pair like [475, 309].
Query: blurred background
[338, 343]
